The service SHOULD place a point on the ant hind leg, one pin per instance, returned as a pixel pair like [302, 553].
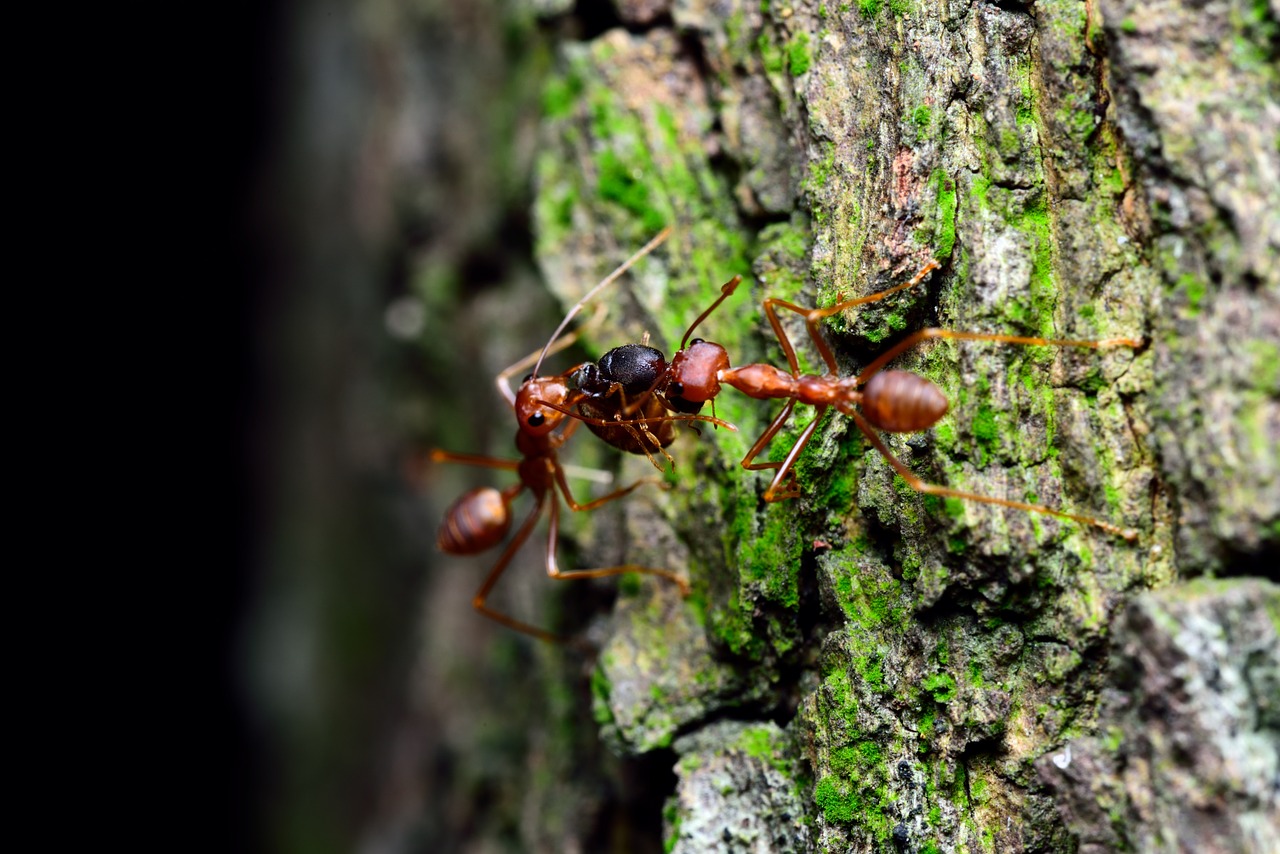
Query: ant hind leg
[935, 489]
[480, 601]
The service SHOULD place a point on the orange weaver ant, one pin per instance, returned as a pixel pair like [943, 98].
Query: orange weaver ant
[894, 401]
[481, 517]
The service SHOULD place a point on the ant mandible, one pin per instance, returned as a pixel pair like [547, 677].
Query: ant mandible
[481, 517]
[894, 401]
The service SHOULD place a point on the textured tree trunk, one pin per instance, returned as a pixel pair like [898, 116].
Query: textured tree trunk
[865, 667]
[900, 671]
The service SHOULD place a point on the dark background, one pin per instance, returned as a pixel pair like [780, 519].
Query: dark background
[376, 179]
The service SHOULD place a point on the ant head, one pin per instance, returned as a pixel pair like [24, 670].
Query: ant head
[692, 377]
[532, 415]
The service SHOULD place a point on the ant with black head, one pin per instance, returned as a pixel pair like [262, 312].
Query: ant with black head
[629, 389]
[480, 518]
[894, 401]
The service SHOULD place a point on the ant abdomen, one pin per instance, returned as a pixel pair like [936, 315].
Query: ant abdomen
[477, 521]
[902, 402]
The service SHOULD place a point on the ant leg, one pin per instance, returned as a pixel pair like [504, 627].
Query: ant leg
[927, 334]
[638, 428]
[439, 456]
[934, 489]
[554, 571]
[785, 470]
[765, 438]
[482, 595]
[563, 482]
[605, 422]
[812, 317]
[783, 340]
[649, 437]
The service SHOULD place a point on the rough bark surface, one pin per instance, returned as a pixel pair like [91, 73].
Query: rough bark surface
[1078, 175]
[864, 668]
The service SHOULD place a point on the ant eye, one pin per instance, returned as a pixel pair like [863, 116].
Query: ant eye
[676, 388]
[697, 341]
[527, 377]
[537, 419]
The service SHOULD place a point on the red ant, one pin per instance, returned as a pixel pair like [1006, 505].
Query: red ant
[481, 517]
[894, 401]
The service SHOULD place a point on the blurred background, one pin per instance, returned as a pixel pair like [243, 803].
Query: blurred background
[384, 257]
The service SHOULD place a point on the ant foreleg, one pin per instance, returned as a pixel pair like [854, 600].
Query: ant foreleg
[935, 489]
[554, 571]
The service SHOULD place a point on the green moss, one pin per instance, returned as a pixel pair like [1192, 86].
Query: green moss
[942, 686]
[984, 426]
[1034, 220]
[820, 171]
[629, 585]
[774, 556]
[762, 743]
[835, 801]
[560, 95]
[944, 232]
[870, 8]
[871, 670]
[928, 719]
[921, 117]
[978, 788]
[1195, 289]
[621, 185]
[899, 8]
[771, 56]
[673, 818]
[600, 691]
[798, 54]
[1264, 368]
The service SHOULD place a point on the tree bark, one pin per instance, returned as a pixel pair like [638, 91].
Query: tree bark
[865, 667]
[1081, 171]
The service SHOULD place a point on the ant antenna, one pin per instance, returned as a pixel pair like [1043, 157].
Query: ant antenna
[606, 281]
[726, 290]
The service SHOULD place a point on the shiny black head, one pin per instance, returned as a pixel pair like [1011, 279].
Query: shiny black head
[635, 367]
